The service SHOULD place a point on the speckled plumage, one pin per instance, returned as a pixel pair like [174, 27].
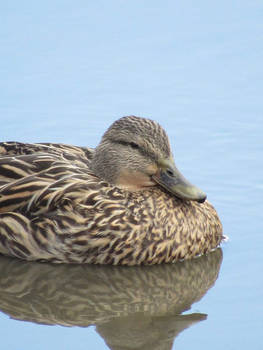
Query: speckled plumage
[54, 208]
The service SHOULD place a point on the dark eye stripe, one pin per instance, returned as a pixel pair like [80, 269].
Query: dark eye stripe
[134, 145]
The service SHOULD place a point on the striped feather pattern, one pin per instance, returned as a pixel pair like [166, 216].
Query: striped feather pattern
[53, 208]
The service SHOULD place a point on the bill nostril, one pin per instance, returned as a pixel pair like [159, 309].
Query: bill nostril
[169, 172]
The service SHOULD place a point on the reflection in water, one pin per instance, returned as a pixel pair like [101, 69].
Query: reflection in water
[132, 307]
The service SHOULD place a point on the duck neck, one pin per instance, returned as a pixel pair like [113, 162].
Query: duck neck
[105, 164]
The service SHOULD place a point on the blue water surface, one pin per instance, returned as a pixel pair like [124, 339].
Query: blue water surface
[69, 69]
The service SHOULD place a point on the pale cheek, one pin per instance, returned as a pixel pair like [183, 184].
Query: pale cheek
[152, 169]
[134, 180]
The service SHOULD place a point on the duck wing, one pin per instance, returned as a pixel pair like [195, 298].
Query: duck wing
[36, 182]
[78, 155]
[38, 199]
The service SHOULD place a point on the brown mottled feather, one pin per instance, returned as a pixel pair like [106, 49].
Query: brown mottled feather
[53, 208]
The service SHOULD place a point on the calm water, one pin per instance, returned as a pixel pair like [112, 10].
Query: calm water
[67, 71]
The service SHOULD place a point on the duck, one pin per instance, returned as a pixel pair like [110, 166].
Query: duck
[122, 203]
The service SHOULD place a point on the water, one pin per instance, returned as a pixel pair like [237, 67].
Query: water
[67, 71]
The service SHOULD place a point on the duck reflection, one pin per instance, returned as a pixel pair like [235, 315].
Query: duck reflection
[131, 307]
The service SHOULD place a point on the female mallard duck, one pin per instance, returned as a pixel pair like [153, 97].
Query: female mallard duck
[122, 203]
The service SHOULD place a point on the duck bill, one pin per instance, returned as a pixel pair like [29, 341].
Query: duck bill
[170, 178]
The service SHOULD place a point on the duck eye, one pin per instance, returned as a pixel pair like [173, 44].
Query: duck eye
[134, 145]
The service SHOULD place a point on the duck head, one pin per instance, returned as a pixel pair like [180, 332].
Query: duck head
[135, 153]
